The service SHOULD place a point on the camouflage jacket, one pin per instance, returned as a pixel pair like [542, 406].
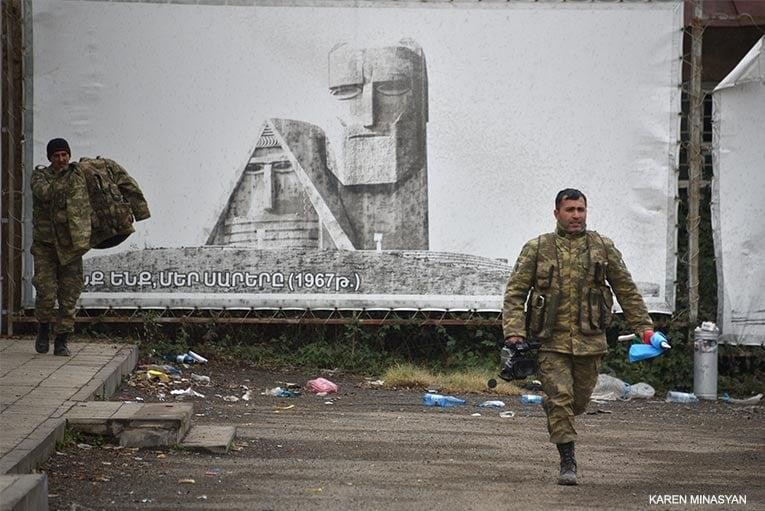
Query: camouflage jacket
[116, 200]
[42, 221]
[560, 293]
[61, 211]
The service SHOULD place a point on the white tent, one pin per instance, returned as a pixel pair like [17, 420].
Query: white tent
[738, 199]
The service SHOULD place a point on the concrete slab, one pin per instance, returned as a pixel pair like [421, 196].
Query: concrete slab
[209, 439]
[93, 410]
[28, 492]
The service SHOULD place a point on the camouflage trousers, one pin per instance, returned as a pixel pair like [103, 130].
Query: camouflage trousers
[568, 381]
[56, 282]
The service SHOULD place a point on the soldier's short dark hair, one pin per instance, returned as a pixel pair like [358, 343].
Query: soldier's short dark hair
[569, 194]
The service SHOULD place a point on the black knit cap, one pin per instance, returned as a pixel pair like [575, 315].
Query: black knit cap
[56, 145]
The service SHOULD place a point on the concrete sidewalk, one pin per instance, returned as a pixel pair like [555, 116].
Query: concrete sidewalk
[37, 390]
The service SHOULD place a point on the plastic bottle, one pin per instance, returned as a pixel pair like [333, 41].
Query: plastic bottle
[531, 399]
[185, 359]
[429, 399]
[197, 358]
[681, 397]
[492, 404]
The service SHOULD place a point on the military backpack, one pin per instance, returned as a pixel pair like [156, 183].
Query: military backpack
[116, 201]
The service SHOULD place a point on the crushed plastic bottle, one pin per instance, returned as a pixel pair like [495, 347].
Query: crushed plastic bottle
[429, 399]
[183, 358]
[492, 404]
[281, 392]
[681, 397]
[199, 378]
[531, 399]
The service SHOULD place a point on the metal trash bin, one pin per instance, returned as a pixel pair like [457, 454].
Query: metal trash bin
[705, 361]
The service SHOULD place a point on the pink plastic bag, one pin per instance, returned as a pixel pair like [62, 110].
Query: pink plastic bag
[321, 386]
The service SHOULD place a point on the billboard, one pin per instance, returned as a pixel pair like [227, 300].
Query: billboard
[392, 155]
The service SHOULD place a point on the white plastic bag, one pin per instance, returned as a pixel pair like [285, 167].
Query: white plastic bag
[640, 391]
[609, 388]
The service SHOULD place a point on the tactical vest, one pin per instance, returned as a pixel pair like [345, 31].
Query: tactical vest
[116, 201]
[592, 295]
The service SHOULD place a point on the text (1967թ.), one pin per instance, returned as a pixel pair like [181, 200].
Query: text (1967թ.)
[236, 280]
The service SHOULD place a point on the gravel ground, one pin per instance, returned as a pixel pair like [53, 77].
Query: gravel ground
[368, 447]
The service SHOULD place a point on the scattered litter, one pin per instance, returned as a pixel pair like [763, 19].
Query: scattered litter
[507, 414]
[532, 385]
[198, 378]
[231, 399]
[531, 399]
[199, 359]
[106, 463]
[84, 446]
[430, 399]
[746, 401]
[281, 392]
[284, 407]
[186, 481]
[369, 383]
[475, 414]
[321, 385]
[153, 373]
[146, 500]
[247, 395]
[161, 456]
[641, 391]
[183, 358]
[609, 388]
[188, 392]
[492, 404]
[681, 397]
[101, 479]
[214, 471]
[165, 368]
[139, 398]
[202, 497]
[328, 403]
[597, 411]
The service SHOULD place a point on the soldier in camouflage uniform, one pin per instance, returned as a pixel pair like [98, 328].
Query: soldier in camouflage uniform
[560, 293]
[60, 236]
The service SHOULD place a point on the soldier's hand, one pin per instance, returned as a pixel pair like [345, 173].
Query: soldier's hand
[513, 340]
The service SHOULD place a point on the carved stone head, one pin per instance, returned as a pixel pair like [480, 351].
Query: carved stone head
[383, 98]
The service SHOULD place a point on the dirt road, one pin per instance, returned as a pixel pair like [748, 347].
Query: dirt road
[371, 448]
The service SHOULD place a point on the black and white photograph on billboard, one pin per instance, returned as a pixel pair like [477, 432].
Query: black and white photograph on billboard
[351, 155]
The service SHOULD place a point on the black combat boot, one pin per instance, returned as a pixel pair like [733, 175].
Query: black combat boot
[59, 345]
[42, 344]
[567, 475]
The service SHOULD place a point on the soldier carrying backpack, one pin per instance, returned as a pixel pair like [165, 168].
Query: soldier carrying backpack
[75, 207]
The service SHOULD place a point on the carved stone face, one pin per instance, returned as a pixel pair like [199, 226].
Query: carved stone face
[275, 187]
[270, 209]
[382, 95]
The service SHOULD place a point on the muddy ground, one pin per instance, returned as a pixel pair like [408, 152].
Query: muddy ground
[368, 447]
